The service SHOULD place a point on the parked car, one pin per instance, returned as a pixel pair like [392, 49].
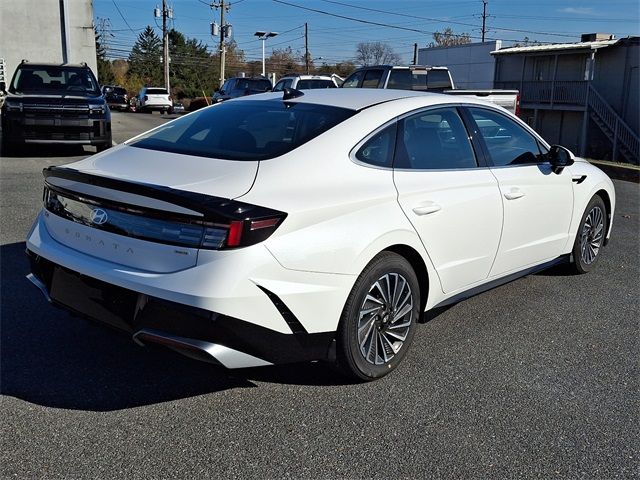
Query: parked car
[152, 99]
[312, 227]
[116, 97]
[49, 103]
[241, 87]
[305, 82]
[178, 107]
[426, 79]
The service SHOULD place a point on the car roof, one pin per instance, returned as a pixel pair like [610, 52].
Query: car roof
[52, 64]
[361, 98]
[306, 76]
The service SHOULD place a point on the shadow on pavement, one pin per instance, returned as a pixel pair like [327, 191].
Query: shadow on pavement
[50, 358]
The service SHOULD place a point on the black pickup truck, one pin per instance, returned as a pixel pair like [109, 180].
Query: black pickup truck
[54, 103]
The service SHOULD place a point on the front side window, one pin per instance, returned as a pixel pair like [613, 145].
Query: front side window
[434, 140]
[353, 81]
[282, 84]
[378, 150]
[507, 141]
[247, 130]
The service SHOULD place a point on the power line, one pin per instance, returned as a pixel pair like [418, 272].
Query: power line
[441, 20]
[368, 22]
[121, 15]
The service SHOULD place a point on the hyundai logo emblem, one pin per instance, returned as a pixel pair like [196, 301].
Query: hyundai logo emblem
[98, 216]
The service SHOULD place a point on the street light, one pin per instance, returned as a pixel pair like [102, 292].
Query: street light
[263, 36]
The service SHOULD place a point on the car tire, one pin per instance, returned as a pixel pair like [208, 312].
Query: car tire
[374, 334]
[104, 146]
[590, 236]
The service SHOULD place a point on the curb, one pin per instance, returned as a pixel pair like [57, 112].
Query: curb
[629, 173]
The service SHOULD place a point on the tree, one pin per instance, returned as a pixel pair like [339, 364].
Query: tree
[447, 38]
[145, 57]
[525, 42]
[192, 67]
[105, 71]
[284, 60]
[376, 53]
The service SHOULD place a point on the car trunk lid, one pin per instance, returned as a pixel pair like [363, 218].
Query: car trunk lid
[143, 209]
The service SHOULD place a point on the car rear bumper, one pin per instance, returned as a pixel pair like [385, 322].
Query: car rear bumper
[254, 313]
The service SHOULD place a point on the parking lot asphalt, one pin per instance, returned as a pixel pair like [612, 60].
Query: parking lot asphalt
[538, 378]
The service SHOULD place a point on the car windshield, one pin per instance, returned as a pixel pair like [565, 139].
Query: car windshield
[53, 79]
[244, 130]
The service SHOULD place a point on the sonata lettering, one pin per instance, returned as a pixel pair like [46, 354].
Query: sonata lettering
[99, 242]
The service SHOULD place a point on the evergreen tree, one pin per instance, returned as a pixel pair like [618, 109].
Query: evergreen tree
[145, 58]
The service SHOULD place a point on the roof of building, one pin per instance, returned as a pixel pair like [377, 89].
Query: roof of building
[557, 47]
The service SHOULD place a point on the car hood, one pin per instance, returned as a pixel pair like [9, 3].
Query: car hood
[209, 176]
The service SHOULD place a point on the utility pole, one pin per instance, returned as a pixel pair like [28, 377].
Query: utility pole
[165, 45]
[306, 46]
[224, 31]
[415, 53]
[484, 18]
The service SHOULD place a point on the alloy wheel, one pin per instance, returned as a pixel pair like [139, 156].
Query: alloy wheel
[384, 318]
[592, 235]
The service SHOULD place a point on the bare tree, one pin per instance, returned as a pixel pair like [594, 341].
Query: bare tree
[376, 53]
[447, 38]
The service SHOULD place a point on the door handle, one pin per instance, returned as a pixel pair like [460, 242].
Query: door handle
[514, 193]
[427, 209]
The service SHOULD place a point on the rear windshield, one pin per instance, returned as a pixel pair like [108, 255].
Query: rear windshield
[406, 79]
[157, 91]
[119, 91]
[252, 85]
[315, 83]
[244, 130]
[54, 80]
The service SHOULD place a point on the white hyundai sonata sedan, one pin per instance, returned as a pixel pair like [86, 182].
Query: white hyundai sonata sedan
[316, 226]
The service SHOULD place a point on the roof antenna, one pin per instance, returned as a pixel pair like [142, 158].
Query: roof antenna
[290, 93]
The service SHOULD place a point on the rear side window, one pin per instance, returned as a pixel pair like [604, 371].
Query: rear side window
[507, 141]
[378, 150]
[434, 140]
[156, 91]
[400, 79]
[438, 80]
[372, 79]
[244, 130]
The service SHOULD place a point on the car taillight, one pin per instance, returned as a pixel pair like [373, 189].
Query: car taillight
[242, 233]
[170, 99]
[146, 98]
[518, 105]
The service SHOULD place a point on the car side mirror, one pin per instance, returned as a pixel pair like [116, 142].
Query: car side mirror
[560, 157]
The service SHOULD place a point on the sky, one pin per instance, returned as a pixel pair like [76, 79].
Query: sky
[400, 23]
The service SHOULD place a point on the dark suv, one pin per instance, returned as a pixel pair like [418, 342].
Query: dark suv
[55, 103]
[242, 86]
[116, 97]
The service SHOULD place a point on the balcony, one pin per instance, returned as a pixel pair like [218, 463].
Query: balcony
[547, 94]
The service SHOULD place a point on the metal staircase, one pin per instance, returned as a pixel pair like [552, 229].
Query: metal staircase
[626, 142]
